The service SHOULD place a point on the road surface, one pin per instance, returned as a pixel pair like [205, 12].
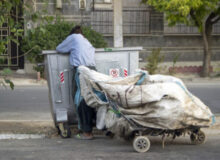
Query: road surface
[32, 102]
[103, 148]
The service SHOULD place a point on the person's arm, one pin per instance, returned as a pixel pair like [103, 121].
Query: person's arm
[65, 46]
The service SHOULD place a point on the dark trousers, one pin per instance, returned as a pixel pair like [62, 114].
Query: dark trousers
[74, 87]
[86, 114]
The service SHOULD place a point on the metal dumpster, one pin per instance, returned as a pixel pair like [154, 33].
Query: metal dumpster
[113, 61]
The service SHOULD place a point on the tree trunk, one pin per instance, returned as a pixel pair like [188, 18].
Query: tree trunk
[206, 34]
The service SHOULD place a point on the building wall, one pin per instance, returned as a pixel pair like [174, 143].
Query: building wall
[142, 27]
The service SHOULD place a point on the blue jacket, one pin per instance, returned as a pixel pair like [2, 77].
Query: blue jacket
[80, 49]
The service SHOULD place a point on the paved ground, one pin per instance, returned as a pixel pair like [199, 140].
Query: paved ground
[25, 103]
[103, 148]
[32, 102]
[208, 93]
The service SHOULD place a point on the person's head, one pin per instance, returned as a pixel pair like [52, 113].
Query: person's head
[76, 30]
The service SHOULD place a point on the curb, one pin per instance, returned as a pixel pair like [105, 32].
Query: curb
[29, 82]
[28, 127]
[48, 129]
[187, 79]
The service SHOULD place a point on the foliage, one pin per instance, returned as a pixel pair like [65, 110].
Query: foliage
[48, 36]
[8, 16]
[94, 37]
[153, 60]
[5, 80]
[7, 19]
[175, 59]
[181, 11]
[13, 21]
[200, 13]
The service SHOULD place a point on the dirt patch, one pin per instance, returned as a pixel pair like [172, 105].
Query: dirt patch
[29, 127]
[35, 127]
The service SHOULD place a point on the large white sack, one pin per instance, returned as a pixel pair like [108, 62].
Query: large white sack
[159, 102]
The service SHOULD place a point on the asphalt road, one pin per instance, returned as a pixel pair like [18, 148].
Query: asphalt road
[25, 103]
[32, 103]
[103, 148]
[208, 93]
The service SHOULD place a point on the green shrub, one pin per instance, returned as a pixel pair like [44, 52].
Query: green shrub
[94, 37]
[48, 36]
[153, 60]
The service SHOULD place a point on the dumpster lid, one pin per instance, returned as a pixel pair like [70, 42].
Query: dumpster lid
[97, 50]
[49, 52]
[118, 49]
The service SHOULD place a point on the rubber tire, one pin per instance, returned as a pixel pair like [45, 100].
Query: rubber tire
[141, 144]
[198, 138]
[66, 133]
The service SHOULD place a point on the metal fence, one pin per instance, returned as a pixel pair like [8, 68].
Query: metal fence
[102, 21]
[134, 21]
[10, 57]
[4, 33]
[183, 29]
[216, 28]
[179, 29]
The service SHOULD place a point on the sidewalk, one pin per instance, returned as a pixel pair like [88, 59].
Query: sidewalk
[47, 128]
[31, 80]
[195, 79]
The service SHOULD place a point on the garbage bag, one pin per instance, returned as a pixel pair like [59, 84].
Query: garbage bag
[158, 101]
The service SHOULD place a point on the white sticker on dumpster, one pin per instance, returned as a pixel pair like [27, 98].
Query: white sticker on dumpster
[114, 72]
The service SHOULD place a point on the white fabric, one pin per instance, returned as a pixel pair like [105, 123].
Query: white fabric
[161, 102]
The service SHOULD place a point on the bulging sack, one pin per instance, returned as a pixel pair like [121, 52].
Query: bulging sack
[154, 101]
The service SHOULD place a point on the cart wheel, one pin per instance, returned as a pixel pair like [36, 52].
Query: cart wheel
[64, 130]
[141, 144]
[197, 138]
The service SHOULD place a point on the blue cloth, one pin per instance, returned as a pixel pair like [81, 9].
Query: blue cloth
[81, 50]
[142, 78]
[101, 95]
[78, 98]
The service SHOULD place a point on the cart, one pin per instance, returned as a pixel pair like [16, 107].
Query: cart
[173, 108]
[139, 134]
[141, 142]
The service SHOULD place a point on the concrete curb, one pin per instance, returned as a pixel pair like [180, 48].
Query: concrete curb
[43, 82]
[29, 82]
[28, 127]
[48, 129]
[25, 80]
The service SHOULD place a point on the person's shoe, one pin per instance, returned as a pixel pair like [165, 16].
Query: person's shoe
[81, 136]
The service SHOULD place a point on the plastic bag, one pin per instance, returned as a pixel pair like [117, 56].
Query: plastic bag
[100, 117]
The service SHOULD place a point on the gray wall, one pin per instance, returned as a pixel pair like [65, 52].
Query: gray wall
[144, 27]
